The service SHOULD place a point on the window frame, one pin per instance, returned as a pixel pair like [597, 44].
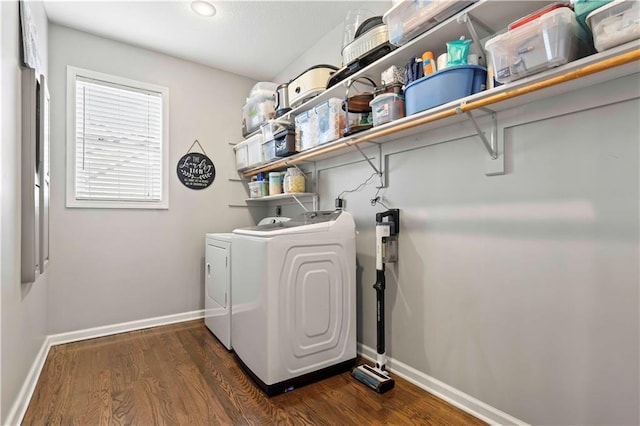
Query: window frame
[72, 201]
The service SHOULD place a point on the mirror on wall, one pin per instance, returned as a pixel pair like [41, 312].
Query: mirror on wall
[35, 176]
[44, 174]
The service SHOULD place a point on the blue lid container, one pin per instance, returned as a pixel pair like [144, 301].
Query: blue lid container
[444, 86]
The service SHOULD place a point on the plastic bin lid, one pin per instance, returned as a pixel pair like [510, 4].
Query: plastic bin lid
[240, 145]
[264, 86]
[606, 7]
[535, 15]
[257, 137]
[521, 29]
[383, 97]
[397, 6]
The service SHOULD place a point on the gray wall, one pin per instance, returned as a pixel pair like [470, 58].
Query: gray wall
[111, 266]
[327, 50]
[23, 306]
[520, 290]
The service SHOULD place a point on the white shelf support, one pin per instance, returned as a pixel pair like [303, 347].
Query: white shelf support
[302, 205]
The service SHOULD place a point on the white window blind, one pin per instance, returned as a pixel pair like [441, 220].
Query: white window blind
[118, 142]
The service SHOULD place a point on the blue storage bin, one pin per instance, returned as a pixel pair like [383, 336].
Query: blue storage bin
[444, 86]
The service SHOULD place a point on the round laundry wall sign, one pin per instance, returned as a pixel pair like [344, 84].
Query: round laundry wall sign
[196, 171]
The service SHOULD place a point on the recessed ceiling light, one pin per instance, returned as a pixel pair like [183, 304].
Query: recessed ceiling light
[203, 8]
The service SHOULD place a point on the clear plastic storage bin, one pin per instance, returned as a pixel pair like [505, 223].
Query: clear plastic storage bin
[615, 24]
[387, 107]
[255, 189]
[249, 152]
[319, 125]
[256, 111]
[410, 18]
[551, 40]
[305, 122]
[269, 150]
[330, 119]
[260, 107]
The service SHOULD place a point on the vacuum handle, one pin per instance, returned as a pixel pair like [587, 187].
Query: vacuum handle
[394, 219]
[379, 286]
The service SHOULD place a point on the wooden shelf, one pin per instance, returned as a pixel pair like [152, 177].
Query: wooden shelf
[604, 66]
[490, 17]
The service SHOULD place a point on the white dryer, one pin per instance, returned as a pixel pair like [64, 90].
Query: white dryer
[217, 288]
[293, 316]
[218, 283]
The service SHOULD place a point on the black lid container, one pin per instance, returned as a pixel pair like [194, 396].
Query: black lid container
[285, 142]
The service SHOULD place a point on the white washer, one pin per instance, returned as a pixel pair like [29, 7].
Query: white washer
[293, 310]
[217, 293]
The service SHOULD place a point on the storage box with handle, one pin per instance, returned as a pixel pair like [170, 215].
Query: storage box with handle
[551, 40]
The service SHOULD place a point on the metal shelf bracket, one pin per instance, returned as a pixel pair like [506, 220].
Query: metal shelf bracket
[494, 145]
[378, 170]
[490, 145]
[315, 200]
[465, 18]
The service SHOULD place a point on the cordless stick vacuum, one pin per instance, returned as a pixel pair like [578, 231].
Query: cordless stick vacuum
[377, 378]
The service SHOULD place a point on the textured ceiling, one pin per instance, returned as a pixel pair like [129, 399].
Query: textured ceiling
[256, 39]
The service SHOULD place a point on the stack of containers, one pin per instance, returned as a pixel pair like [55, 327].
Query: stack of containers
[260, 107]
[279, 139]
[258, 110]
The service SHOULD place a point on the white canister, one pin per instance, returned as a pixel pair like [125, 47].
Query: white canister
[275, 183]
[441, 62]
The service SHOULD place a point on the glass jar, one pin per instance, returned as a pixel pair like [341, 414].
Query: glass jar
[294, 181]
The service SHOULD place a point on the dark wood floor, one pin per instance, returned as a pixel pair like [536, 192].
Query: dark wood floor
[180, 374]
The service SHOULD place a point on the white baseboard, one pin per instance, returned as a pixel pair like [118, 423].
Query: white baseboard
[21, 403]
[107, 330]
[443, 391]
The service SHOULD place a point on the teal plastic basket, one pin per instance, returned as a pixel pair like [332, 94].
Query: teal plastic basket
[584, 7]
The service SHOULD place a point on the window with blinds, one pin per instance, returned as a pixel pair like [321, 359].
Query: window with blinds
[118, 142]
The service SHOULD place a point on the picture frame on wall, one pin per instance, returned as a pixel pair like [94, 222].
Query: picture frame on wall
[29, 35]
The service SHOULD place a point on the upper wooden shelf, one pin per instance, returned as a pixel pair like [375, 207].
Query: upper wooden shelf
[604, 66]
[488, 16]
